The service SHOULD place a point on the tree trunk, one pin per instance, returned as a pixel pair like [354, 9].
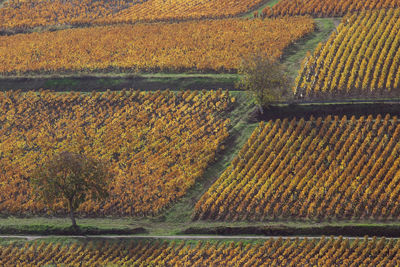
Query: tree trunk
[261, 109]
[72, 215]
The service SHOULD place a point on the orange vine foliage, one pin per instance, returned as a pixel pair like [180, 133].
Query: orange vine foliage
[324, 168]
[273, 252]
[158, 144]
[18, 14]
[32, 13]
[361, 58]
[201, 45]
[326, 8]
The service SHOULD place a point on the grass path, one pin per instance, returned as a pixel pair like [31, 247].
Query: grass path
[295, 53]
[117, 81]
[269, 3]
[155, 228]
[239, 134]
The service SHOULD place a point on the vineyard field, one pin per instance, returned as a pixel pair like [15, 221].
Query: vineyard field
[361, 58]
[158, 144]
[321, 168]
[273, 252]
[208, 160]
[22, 15]
[216, 45]
[325, 8]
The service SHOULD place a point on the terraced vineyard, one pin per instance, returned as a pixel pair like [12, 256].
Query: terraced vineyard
[158, 143]
[17, 14]
[321, 168]
[187, 162]
[361, 59]
[274, 252]
[326, 8]
[207, 45]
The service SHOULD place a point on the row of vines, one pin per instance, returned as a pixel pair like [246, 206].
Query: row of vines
[158, 144]
[326, 8]
[22, 15]
[26, 14]
[331, 167]
[273, 252]
[361, 58]
[204, 45]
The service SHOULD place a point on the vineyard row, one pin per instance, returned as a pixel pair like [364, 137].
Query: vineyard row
[27, 14]
[217, 45]
[326, 8]
[361, 58]
[273, 252]
[321, 168]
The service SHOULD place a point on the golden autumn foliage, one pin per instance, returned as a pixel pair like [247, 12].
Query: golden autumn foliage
[272, 252]
[33, 13]
[361, 58]
[324, 168]
[201, 45]
[158, 144]
[326, 8]
[17, 14]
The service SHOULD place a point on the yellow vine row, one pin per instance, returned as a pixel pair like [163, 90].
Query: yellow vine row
[361, 58]
[326, 8]
[321, 168]
[217, 45]
[17, 14]
[273, 252]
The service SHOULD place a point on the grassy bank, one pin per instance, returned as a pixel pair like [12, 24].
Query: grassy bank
[53, 229]
[353, 230]
[113, 82]
[269, 3]
[295, 53]
[325, 109]
[240, 131]
[148, 227]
